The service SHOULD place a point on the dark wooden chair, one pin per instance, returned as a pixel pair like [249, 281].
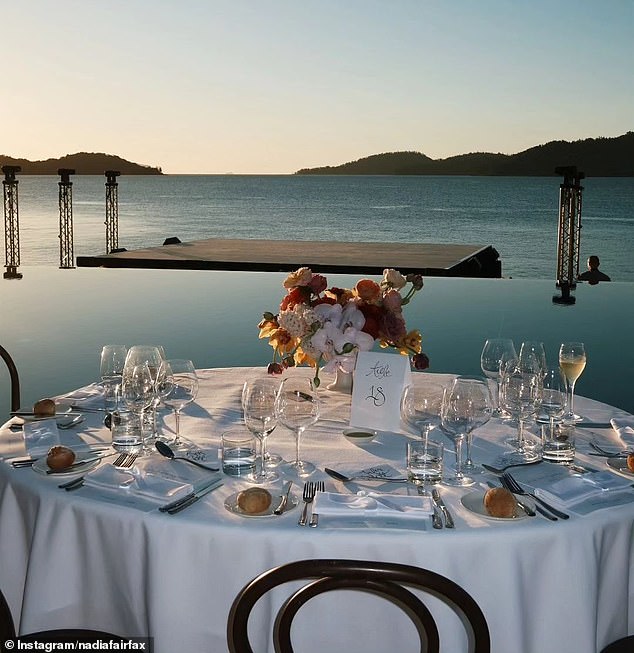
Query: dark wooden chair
[13, 375]
[7, 632]
[384, 579]
[624, 645]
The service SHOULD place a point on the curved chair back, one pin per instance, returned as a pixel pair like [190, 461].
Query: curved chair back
[15, 379]
[381, 578]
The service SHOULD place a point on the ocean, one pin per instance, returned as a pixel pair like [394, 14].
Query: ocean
[517, 215]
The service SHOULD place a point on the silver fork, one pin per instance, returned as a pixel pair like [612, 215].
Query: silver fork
[513, 486]
[314, 518]
[123, 460]
[609, 454]
[307, 497]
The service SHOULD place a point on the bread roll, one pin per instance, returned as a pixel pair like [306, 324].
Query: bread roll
[499, 502]
[630, 462]
[60, 457]
[44, 408]
[254, 500]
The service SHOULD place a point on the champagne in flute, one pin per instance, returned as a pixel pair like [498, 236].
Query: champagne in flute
[572, 361]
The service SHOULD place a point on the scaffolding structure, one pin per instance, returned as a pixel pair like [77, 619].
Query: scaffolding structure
[112, 211]
[11, 222]
[66, 256]
[569, 234]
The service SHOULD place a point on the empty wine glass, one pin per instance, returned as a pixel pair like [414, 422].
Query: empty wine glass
[297, 408]
[177, 386]
[554, 393]
[420, 408]
[461, 409]
[572, 361]
[521, 393]
[111, 370]
[137, 391]
[258, 405]
[495, 355]
[533, 357]
[483, 410]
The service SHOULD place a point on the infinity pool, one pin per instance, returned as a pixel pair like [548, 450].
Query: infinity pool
[54, 323]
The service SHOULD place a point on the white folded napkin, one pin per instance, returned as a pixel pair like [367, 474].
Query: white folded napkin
[624, 426]
[569, 491]
[369, 506]
[148, 485]
[90, 395]
[40, 436]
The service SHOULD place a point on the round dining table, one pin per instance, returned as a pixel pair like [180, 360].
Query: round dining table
[95, 559]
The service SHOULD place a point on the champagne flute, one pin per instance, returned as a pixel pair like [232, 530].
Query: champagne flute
[420, 408]
[258, 405]
[177, 386]
[495, 355]
[572, 361]
[297, 408]
[137, 390]
[111, 370]
[521, 392]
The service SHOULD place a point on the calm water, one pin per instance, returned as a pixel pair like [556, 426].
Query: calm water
[517, 215]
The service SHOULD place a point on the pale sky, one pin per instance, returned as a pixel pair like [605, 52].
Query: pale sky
[271, 86]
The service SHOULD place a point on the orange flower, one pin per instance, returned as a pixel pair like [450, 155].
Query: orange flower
[301, 277]
[282, 341]
[411, 343]
[267, 327]
[368, 290]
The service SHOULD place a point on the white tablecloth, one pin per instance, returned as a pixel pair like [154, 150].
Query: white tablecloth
[71, 558]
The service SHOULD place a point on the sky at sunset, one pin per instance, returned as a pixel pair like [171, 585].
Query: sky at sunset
[271, 86]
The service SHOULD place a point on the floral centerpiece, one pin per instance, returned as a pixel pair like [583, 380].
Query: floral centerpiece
[325, 327]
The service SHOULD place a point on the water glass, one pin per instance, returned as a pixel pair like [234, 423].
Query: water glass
[558, 443]
[425, 462]
[126, 431]
[238, 453]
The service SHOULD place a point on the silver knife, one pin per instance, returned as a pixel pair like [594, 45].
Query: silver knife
[190, 498]
[283, 499]
[386, 502]
[435, 495]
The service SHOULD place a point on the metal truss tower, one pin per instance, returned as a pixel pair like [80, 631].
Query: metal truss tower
[112, 211]
[11, 222]
[66, 257]
[569, 237]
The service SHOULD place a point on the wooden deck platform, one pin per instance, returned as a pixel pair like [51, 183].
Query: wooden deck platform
[446, 260]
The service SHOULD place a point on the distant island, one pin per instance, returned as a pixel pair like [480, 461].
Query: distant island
[596, 157]
[83, 163]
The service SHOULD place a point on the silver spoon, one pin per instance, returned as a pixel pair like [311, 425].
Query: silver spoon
[165, 450]
[500, 470]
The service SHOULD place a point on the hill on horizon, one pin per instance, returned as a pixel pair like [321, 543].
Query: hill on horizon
[83, 163]
[596, 157]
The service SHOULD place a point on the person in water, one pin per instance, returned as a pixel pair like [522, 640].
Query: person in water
[593, 275]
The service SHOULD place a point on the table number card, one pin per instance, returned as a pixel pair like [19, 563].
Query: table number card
[379, 381]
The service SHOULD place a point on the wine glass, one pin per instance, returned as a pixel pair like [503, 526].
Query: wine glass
[572, 361]
[420, 408]
[297, 408]
[111, 371]
[532, 356]
[483, 410]
[258, 405]
[554, 393]
[461, 409]
[177, 386]
[521, 394]
[137, 391]
[153, 356]
[495, 354]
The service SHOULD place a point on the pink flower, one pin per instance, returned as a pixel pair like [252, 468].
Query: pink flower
[393, 326]
[318, 284]
[392, 301]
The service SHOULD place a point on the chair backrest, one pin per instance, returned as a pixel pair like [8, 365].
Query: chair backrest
[7, 629]
[381, 578]
[15, 379]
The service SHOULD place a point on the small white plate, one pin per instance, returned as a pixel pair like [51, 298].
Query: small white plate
[359, 435]
[474, 502]
[41, 467]
[231, 504]
[619, 465]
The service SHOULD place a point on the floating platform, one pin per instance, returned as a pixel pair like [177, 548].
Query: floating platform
[434, 260]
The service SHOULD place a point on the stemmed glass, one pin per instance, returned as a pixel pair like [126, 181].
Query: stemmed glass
[153, 356]
[495, 355]
[297, 408]
[462, 408]
[111, 371]
[522, 395]
[137, 390]
[258, 405]
[572, 361]
[553, 397]
[532, 356]
[177, 386]
[420, 408]
[483, 410]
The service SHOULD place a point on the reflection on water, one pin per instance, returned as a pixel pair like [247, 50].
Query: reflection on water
[54, 323]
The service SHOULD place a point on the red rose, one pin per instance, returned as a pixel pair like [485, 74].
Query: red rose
[372, 314]
[420, 361]
[297, 295]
